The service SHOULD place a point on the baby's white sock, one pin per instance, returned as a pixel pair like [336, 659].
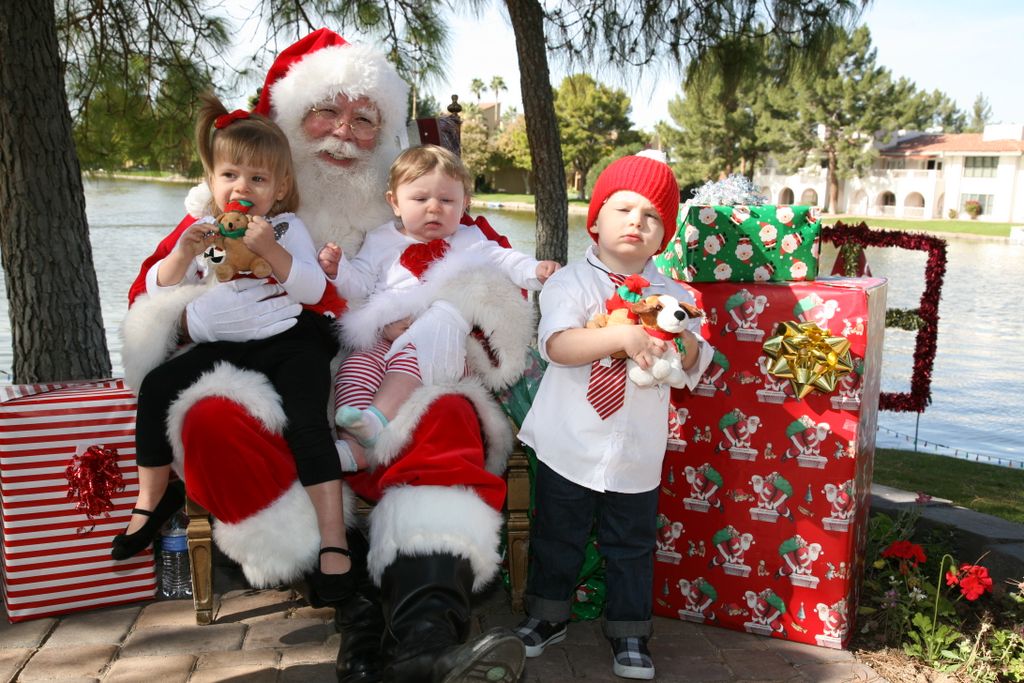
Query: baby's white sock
[348, 461]
[365, 425]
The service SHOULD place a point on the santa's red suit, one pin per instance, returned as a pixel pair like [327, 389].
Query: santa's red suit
[437, 468]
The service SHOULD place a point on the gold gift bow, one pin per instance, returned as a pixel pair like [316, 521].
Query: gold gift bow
[808, 357]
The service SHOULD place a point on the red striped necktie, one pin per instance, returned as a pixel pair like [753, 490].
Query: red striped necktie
[606, 391]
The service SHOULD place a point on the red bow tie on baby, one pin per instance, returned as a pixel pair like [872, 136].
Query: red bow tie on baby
[419, 256]
[606, 391]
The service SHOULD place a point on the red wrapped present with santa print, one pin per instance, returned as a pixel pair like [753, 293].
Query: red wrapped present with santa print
[67, 484]
[766, 478]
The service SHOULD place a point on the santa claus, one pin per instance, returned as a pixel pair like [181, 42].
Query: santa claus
[434, 532]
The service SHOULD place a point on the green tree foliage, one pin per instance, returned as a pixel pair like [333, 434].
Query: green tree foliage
[940, 110]
[623, 150]
[981, 113]
[476, 87]
[841, 105]
[592, 120]
[55, 63]
[621, 33]
[513, 148]
[477, 147]
[498, 86]
[724, 122]
[742, 102]
[94, 37]
[124, 124]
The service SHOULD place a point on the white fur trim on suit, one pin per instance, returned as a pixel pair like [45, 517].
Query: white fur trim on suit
[423, 520]
[276, 545]
[199, 201]
[250, 389]
[505, 318]
[150, 330]
[483, 296]
[351, 70]
[279, 543]
[495, 425]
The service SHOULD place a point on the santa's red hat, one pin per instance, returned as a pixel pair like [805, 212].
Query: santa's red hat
[322, 65]
[646, 176]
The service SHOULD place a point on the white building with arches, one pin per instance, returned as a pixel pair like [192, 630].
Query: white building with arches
[923, 175]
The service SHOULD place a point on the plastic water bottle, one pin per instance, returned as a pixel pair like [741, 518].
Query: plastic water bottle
[175, 577]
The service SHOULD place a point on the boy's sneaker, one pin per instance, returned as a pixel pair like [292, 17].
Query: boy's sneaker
[632, 658]
[537, 634]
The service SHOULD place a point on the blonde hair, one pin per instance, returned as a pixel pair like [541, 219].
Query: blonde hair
[417, 162]
[254, 140]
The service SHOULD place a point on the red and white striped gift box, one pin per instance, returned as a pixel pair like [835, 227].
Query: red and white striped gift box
[55, 559]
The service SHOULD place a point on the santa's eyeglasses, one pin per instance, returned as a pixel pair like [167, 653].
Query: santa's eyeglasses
[362, 128]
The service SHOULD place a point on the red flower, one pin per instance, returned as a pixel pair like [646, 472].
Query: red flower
[952, 579]
[974, 581]
[905, 550]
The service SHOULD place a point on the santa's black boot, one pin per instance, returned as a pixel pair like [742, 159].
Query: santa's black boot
[360, 621]
[427, 608]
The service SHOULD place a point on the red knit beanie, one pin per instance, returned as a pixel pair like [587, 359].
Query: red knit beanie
[645, 176]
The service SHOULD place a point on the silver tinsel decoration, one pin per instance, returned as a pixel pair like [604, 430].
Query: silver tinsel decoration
[736, 190]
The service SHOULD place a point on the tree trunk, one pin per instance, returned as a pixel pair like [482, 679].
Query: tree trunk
[56, 324]
[832, 182]
[527, 19]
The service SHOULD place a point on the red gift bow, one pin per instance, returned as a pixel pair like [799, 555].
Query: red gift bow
[225, 120]
[93, 477]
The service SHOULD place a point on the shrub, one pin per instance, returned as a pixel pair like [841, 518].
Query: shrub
[973, 208]
[953, 214]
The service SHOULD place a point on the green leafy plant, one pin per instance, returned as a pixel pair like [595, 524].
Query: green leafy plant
[953, 214]
[972, 207]
[970, 633]
[931, 641]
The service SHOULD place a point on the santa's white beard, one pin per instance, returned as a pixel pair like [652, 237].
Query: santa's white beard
[340, 204]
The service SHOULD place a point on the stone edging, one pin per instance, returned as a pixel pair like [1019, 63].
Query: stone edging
[975, 534]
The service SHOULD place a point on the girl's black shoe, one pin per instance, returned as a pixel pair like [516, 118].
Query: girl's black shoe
[128, 545]
[326, 590]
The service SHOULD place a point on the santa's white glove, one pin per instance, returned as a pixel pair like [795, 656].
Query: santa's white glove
[439, 335]
[199, 201]
[241, 310]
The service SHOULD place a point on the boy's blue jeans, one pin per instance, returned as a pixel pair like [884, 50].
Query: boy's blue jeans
[626, 534]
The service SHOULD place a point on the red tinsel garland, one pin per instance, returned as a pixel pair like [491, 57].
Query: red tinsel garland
[920, 394]
[93, 479]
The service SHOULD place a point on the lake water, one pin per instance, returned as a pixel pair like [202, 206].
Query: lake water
[977, 386]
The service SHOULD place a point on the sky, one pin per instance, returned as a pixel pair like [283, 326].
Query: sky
[961, 48]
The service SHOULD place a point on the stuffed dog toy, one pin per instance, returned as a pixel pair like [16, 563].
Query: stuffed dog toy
[664, 317]
[619, 307]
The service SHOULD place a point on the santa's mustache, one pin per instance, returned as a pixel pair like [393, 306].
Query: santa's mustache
[341, 149]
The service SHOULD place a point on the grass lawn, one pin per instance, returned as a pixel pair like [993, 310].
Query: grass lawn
[985, 488]
[935, 225]
[878, 222]
[518, 198]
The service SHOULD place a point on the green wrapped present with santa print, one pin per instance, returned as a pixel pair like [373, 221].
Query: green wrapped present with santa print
[743, 244]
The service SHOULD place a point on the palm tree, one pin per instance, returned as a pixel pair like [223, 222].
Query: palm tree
[497, 85]
[477, 87]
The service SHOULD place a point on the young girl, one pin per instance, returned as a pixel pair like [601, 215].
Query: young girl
[429, 190]
[248, 163]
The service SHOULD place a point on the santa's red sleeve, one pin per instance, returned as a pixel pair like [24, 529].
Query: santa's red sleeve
[163, 249]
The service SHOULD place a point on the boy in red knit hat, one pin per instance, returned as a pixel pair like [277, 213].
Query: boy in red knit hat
[600, 439]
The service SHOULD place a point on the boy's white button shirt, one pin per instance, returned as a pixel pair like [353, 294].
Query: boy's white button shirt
[624, 452]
